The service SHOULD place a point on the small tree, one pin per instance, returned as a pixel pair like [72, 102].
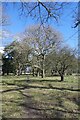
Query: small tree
[62, 60]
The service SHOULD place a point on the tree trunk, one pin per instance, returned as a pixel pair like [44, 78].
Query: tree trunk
[17, 72]
[3, 73]
[7, 72]
[38, 73]
[43, 73]
[62, 77]
[43, 70]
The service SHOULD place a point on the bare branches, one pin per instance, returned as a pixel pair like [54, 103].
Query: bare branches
[42, 39]
[77, 24]
[77, 15]
[4, 18]
[41, 11]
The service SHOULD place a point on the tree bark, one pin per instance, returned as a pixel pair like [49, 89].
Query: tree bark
[7, 72]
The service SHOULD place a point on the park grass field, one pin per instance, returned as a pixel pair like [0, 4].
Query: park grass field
[40, 97]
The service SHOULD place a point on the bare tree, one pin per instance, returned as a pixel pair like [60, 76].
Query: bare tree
[42, 40]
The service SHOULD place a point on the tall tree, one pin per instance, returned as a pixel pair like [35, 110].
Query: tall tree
[19, 51]
[42, 40]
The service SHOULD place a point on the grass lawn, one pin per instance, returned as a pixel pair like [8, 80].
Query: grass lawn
[40, 97]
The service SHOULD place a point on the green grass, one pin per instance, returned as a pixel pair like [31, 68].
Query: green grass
[40, 97]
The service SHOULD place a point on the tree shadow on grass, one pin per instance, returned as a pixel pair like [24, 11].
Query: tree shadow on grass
[27, 86]
[40, 80]
[35, 109]
[22, 87]
[32, 106]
